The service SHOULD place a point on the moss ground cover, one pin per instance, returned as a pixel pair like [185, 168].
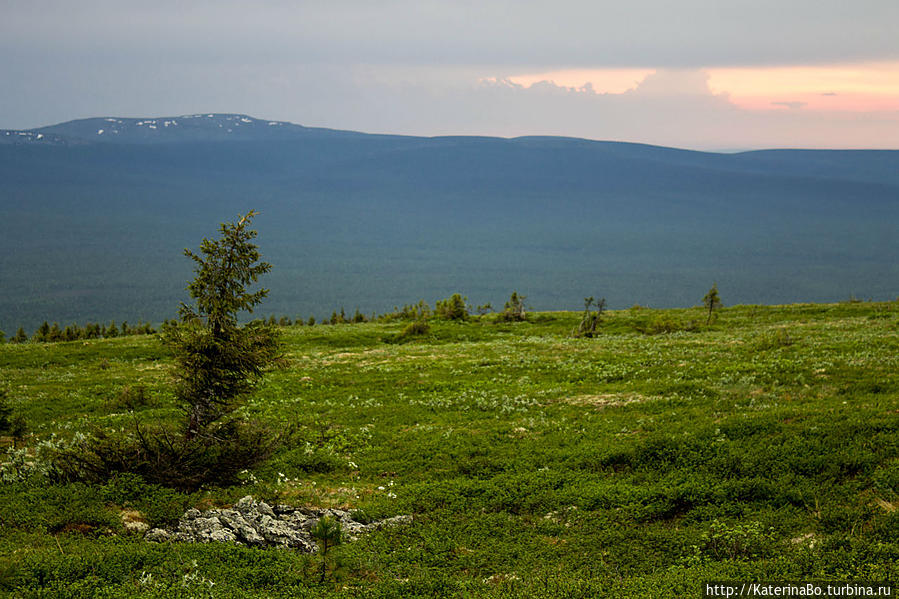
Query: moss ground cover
[656, 455]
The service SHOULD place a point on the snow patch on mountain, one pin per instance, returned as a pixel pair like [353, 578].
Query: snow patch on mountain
[200, 127]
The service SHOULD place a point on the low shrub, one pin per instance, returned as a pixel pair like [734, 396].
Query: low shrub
[419, 311]
[774, 340]
[748, 540]
[514, 309]
[162, 456]
[886, 477]
[664, 324]
[160, 506]
[132, 398]
[416, 328]
[452, 308]
[311, 459]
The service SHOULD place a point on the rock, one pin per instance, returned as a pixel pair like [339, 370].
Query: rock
[259, 524]
[208, 529]
[216, 535]
[279, 532]
[244, 531]
[352, 527]
[245, 504]
[158, 535]
[308, 523]
[191, 514]
[136, 526]
[395, 521]
[298, 519]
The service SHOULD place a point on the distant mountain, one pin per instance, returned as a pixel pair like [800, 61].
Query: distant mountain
[97, 211]
[173, 129]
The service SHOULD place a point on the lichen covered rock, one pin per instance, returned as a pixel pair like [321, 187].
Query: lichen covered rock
[259, 524]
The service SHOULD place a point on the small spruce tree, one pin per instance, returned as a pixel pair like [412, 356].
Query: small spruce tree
[590, 320]
[42, 333]
[514, 310]
[218, 360]
[712, 302]
[328, 534]
[452, 308]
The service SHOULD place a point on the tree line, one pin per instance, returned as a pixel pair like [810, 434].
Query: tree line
[47, 333]
[455, 307]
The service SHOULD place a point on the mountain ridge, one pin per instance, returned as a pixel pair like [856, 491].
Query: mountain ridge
[243, 127]
[168, 129]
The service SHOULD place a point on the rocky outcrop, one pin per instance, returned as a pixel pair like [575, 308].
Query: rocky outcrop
[259, 524]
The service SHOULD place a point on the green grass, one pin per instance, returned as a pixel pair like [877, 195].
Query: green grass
[639, 463]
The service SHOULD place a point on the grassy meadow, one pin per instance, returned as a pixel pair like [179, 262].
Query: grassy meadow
[638, 463]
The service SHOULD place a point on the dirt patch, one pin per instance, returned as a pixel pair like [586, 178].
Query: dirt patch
[606, 400]
[134, 521]
[343, 357]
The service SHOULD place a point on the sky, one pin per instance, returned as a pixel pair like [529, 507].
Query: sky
[700, 74]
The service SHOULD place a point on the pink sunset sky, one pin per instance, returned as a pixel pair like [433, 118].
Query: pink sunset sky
[850, 88]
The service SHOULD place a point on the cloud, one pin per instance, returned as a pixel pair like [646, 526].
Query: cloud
[670, 107]
[674, 82]
[792, 105]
